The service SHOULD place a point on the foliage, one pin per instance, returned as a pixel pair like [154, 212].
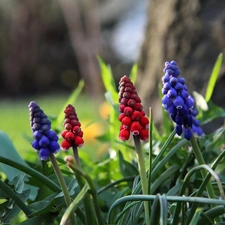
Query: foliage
[109, 191]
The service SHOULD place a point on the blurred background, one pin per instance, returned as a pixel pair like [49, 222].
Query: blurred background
[46, 47]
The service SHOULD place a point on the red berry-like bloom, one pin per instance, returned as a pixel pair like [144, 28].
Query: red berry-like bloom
[131, 116]
[72, 134]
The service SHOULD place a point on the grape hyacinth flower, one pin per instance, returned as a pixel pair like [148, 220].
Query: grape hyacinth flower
[46, 140]
[178, 103]
[132, 115]
[73, 135]
[133, 120]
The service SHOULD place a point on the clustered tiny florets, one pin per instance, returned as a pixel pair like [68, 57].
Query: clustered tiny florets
[178, 103]
[72, 134]
[132, 115]
[46, 140]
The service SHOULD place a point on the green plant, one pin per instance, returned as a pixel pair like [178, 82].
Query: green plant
[174, 180]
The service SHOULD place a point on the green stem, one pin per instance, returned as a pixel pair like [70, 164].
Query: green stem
[63, 185]
[201, 161]
[74, 205]
[126, 179]
[80, 173]
[33, 173]
[141, 164]
[150, 151]
[87, 201]
[10, 193]
[76, 156]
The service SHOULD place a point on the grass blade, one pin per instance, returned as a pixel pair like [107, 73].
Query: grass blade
[155, 211]
[196, 217]
[133, 73]
[71, 100]
[213, 77]
[108, 80]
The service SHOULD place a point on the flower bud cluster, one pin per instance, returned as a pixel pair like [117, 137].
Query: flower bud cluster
[73, 135]
[46, 140]
[132, 115]
[178, 103]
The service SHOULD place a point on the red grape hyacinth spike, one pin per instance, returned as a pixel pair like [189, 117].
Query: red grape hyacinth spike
[131, 116]
[73, 135]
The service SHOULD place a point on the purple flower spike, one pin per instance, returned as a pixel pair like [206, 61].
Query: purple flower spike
[172, 93]
[44, 153]
[45, 139]
[166, 102]
[179, 129]
[187, 133]
[178, 103]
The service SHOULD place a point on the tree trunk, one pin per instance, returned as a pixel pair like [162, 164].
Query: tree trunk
[190, 32]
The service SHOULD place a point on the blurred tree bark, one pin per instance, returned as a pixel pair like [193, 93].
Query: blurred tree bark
[189, 32]
[25, 28]
[86, 40]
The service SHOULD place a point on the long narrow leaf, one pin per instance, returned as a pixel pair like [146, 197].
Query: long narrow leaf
[184, 199]
[196, 217]
[155, 211]
[185, 184]
[73, 206]
[133, 73]
[163, 210]
[73, 97]
[107, 78]
[164, 177]
[203, 185]
[213, 78]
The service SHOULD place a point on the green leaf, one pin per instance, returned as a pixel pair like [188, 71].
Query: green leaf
[212, 113]
[45, 205]
[52, 202]
[196, 217]
[155, 215]
[111, 101]
[104, 138]
[213, 78]
[126, 168]
[133, 73]
[13, 209]
[213, 139]
[74, 205]
[8, 151]
[72, 99]
[40, 220]
[107, 78]
[18, 183]
[163, 210]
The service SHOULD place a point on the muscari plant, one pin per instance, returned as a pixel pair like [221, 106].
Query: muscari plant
[172, 175]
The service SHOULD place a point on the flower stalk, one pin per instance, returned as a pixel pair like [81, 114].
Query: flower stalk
[63, 186]
[76, 156]
[92, 208]
[142, 171]
[150, 151]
